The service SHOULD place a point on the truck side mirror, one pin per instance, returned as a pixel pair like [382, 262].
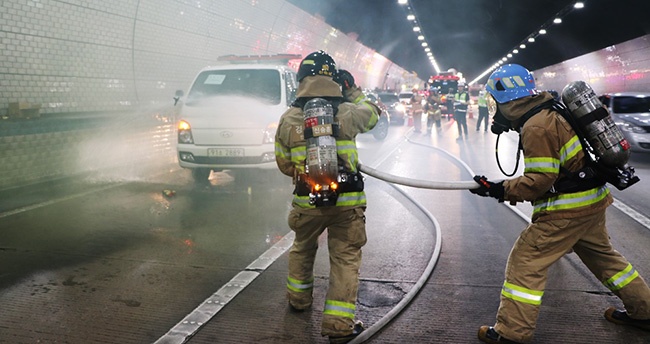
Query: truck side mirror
[177, 96]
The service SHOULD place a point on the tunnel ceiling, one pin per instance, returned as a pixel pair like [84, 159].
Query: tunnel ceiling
[472, 35]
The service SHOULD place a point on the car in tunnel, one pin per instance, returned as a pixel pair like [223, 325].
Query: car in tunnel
[228, 118]
[631, 113]
[396, 109]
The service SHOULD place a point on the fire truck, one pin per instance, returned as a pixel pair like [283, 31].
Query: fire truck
[446, 83]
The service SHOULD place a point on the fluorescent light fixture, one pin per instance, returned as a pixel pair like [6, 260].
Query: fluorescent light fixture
[579, 4]
[531, 39]
[515, 51]
[557, 21]
[421, 38]
[509, 55]
[522, 46]
[542, 32]
[424, 44]
[402, 2]
[427, 49]
[410, 17]
[416, 28]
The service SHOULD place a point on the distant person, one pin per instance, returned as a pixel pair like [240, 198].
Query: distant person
[482, 110]
[342, 212]
[434, 114]
[461, 101]
[416, 110]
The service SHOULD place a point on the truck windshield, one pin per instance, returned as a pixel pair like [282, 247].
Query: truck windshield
[263, 84]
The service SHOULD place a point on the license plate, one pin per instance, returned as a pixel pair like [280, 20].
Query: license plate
[225, 152]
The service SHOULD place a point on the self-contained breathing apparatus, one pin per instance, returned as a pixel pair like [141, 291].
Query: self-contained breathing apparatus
[324, 177]
[605, 147]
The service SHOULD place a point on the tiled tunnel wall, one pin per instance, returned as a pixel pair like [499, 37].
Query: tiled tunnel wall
[104, 73]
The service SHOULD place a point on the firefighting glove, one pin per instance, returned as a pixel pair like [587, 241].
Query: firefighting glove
[488, 189]
[344, 78]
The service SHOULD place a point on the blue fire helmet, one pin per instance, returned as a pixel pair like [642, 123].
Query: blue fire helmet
[510, 82]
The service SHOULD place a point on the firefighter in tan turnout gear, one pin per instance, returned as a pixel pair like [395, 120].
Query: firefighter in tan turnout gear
[315, 145]
[566, 216]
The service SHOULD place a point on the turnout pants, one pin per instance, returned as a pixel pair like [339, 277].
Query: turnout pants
[543, 243]
[346, 234]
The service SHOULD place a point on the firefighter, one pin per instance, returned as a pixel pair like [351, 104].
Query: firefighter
[482, 110]
[432, 109]
[344, 218]
[562, 222]
[416, 109]
[461, 101]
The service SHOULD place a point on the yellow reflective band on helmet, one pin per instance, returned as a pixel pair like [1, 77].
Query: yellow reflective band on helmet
[571, 200]
[518, 80]
[570, 149]
[300, 286]
[516, 293]
[308, 62]
[339, 308]
[622, 278]
[545, 165]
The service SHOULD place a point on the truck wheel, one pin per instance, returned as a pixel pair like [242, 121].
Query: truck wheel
[201, 175]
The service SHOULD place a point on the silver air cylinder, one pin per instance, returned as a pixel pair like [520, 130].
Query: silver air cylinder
[322, 163]
[596, 124]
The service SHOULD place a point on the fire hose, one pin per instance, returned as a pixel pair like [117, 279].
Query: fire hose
[418, 183]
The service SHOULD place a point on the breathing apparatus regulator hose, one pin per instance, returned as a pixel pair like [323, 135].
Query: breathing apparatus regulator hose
[496, 153]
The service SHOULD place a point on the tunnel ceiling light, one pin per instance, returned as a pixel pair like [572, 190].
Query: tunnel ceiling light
[509, 55]
[416, 28]
[410, 17]
[515, 51]
[556, 19]
[424, 44]
[427, 49]
[421, 38]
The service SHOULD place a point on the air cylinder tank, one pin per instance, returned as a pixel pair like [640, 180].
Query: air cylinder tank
[596, 124]
[322, 163]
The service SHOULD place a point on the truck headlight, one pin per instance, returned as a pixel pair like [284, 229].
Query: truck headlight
[269, 133]
[185, 133]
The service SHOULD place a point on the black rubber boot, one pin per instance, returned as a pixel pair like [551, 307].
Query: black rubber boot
[356, 330]
[620, 317]
[487, 334]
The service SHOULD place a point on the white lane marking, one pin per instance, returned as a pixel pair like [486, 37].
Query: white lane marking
[186, 328]
[52, 201]
[638, 217]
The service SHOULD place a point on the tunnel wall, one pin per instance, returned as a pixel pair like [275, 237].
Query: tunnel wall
[93, 55]
[617, 68]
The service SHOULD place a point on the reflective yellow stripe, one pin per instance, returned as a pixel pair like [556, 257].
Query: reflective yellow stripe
[280, 151]
[300, 286]
[516, 293]
[570, 149]
[542, 164]
[571, 200]
[344, 199]
[339, 308]
[622, 278]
